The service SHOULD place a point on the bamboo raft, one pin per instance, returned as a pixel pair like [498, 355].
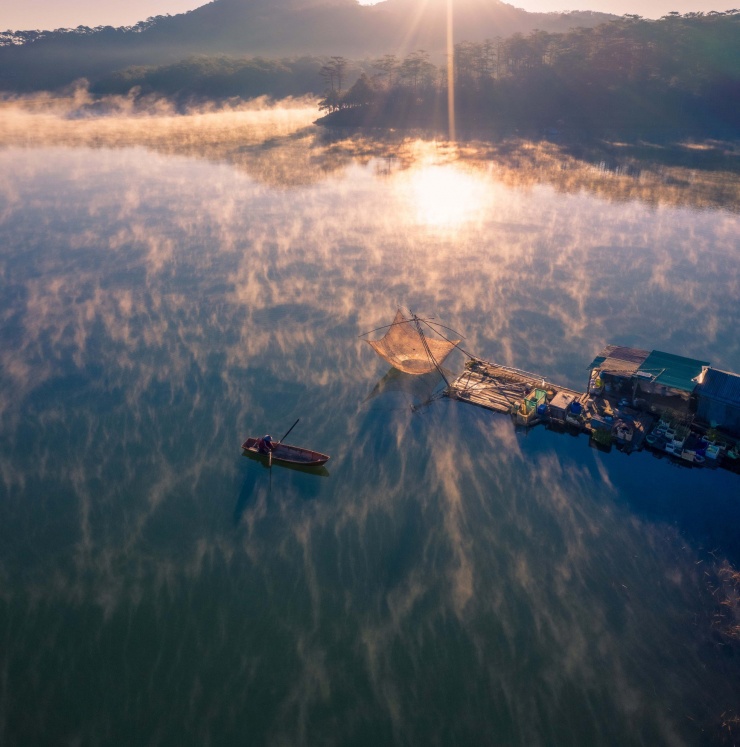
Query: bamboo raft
[500, 388]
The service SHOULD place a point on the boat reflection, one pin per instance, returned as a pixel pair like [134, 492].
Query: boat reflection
[319, 471]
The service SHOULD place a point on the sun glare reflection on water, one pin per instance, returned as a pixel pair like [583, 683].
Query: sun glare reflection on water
[446, 196]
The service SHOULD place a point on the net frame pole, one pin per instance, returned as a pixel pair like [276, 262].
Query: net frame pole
[432, 325]
[428, 351]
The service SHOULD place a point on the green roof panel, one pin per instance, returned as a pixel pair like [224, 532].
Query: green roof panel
[673, 371]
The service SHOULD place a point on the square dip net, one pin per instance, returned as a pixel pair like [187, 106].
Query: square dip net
[406, 348]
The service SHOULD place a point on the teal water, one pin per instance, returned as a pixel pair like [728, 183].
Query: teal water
[451, 580]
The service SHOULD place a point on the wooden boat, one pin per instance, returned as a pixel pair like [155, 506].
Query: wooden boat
[287, 454]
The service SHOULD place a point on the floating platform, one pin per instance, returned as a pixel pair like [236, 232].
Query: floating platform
[608, 419]
[499, 388]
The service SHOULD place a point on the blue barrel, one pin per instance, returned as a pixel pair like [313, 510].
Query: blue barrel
[542, 409]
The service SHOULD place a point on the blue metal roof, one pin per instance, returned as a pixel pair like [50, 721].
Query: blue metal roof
[720, 385]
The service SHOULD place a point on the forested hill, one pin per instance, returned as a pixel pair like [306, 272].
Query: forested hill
[269, 28]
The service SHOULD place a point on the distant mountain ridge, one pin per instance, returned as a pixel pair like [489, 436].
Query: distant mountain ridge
[268, 28]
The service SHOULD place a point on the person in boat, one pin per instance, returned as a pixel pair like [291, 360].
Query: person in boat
[265, 445]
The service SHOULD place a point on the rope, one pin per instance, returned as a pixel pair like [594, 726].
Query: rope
[430, 323]
[426, 347]
[394, 324]
[464, 352]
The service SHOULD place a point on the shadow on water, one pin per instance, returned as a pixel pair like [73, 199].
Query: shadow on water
[701, 502]
[415, 390]
[248, 490]
[245, 496]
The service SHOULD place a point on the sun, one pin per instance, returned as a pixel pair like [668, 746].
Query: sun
[446, 195]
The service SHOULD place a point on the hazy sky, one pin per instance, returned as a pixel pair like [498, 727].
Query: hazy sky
[50, 14]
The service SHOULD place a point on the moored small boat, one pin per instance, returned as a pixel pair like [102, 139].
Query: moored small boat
[287, 454]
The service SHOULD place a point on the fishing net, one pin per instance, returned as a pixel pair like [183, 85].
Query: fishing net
[403, 347]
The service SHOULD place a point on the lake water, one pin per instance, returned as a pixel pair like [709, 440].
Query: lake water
[171, 285]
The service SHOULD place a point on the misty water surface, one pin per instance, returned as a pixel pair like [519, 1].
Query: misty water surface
[172, 284]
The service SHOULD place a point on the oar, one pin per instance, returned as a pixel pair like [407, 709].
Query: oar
[289, 430]
[269, 453]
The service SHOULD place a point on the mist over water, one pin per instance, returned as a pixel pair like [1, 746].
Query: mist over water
[172, 284]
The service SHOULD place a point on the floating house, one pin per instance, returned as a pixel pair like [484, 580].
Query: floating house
[668, 376]
[654, 380]
[718, 399]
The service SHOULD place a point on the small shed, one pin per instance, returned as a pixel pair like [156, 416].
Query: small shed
[528, 412]
[560, 405]
[718, 399]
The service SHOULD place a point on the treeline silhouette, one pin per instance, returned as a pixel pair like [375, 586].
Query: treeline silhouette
[680, 74]
[205, 77]
[47, 60]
